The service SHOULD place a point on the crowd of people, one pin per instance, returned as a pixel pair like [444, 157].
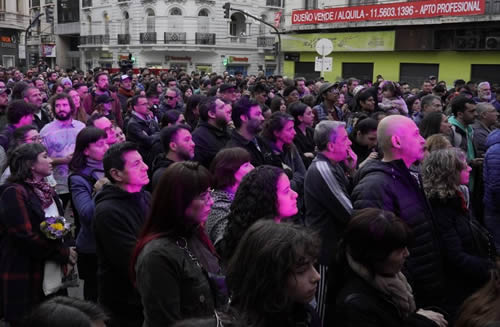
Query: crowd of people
[209, 200]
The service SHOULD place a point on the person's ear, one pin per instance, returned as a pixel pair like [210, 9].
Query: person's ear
[86, 151]
[173, 146]
[117, 175]
[244, 118]
[396, 141]
[211, 114]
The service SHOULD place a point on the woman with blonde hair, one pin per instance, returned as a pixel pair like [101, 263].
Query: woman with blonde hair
[468, 247]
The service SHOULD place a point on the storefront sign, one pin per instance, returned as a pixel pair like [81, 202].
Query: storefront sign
[342, 42]
[49, 50]
[400, 10]
[6, 39]
[237, 59]
[173, 58]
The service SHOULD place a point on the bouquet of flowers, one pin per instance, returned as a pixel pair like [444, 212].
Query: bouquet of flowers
[55, 228]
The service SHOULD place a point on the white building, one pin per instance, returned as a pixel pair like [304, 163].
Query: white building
[186, 34]
[14, 20]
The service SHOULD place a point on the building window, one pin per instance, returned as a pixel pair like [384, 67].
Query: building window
[237, 26]
[362, 2]
[175, 12]
[68, 11]
[19, 6]
[311, 4]
[203, 21]
[106, 23]
[274, 3]
[126, 23]
[262, 26]
[150, 21]
[203, 12]
[9, 61]
[89, 23]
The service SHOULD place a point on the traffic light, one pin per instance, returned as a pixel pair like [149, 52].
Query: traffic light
[49, 14]
[276, 48]
[227, 8]
[224, 61]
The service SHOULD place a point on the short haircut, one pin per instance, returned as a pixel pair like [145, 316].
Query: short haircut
[93, 118]
[168, 134]
[114, 157]
[206, 105]
[260, 88]
[96, 77]
[351, 80]
[26, 90]
[365, 126]
[76, 86]
[326, 131]
[20, 133]
[225, 164]
[482, 107]
[289, 90]
[458, 104]
[170, 117]
[135, 99]
[480, 85]
[427, 100]
[242, 107]
[18, 109]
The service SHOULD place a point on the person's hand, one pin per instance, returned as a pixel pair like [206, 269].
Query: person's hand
[351, 159]
[371, 156]
[477, 162]
[67, 159]
[100, 183]
[73, 255]
[434, 316]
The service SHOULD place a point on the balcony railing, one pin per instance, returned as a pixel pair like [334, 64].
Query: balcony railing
[18, 20]
[86, 3]
[123, 38]
[175, 38]
[265, 41]
[148, 38]
[94, 39]
[205, 38]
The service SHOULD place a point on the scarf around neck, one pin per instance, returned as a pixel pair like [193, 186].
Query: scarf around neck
[43, 191]
[396, 288]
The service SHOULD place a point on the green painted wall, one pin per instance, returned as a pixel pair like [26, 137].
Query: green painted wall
[452, 64]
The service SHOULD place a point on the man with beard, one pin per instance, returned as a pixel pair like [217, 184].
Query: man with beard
[125, 91]
[34, 96]
[4, 101]
[142, 126]
[178, 146]
[211, 135]
[247, 118]
[59, 137]
[102, 87]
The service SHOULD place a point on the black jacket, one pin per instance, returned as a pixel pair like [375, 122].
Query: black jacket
[468, 250]
[119, 217]
[361, 305]
[392, 187]
[142, 133]
[324, 212]
[40, 122]
[305, 143]
[261, 155]
[208, 140]
[160, 163]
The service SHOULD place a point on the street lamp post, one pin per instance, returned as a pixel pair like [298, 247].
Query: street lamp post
[227, 7]
[26, 37]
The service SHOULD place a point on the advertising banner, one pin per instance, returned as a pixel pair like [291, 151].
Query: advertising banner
[342, 42]
[399, 10]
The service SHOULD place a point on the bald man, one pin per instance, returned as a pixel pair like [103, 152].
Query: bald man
[391, 185]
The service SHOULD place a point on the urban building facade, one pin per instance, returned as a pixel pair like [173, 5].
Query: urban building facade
[41, 41]
[67, 33]
[400, 40]
[178, 34]
[14, 20]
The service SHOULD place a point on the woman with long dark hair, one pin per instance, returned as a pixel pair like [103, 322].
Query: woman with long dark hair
[304, 133]
[264, 193]
[365, 284]
[434, 123]
[192, 113]
[87, 169]
[228, 169]
[174, 265]
[272, 276]
[25, 201]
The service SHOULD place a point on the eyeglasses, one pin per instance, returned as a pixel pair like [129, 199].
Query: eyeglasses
[170, 98]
